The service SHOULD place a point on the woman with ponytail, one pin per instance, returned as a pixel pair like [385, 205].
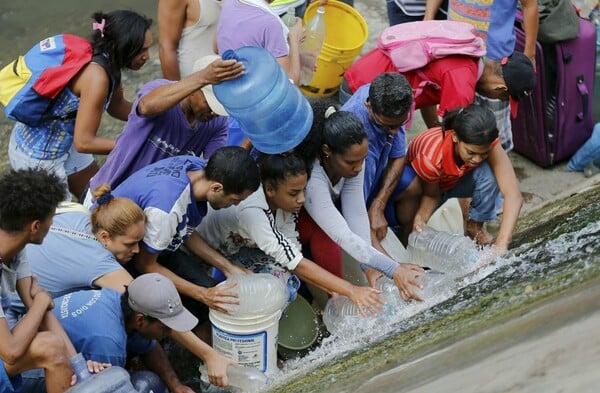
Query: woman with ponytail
[464, 159]
[66, 138]
[335, 214]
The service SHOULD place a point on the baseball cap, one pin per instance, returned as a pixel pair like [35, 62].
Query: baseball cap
[155, 295]
[214, 104]
[519, 77]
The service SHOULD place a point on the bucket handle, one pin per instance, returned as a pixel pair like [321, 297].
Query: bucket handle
[293, 284]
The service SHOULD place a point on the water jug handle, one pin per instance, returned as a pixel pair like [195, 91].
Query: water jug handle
[230, 54]
[293, 284]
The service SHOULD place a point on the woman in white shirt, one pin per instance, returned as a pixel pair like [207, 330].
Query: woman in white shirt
[335, 215]
[267, 219]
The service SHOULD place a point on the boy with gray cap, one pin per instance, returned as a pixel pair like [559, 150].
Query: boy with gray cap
[107, 327]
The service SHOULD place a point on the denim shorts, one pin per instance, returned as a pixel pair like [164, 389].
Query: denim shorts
[63, 167]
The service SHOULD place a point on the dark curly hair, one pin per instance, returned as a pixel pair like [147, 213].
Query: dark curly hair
[28, 195]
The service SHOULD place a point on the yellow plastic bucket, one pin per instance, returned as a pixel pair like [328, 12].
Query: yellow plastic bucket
[345, 34]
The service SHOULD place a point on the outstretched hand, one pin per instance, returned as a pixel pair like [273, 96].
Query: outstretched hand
[220, 296]
[366, 298]
[406, 278]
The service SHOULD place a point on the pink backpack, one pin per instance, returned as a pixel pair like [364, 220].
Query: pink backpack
[413, 45]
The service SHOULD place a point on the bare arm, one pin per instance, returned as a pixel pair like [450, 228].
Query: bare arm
[509, 187]
[431, 9]
[198, 246]
[215, 362]
[390, 180]
[119, 107]
[429, 202]
[216, 297]
[291, 62]
[166, 96]
[91, 85]
[28, 289]
[116, 280]
[171, 20]
[157, 361]
[14, 344]
[363, 297]
[530, 27]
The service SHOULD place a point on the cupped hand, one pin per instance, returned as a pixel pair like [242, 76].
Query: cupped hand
[366, 299]
[406, 277]
[216, 364]
[379, 224]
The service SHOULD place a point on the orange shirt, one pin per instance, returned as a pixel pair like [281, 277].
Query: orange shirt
[431, 155]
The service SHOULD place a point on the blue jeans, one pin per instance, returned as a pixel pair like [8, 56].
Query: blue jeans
[590, 151]
[479, 184]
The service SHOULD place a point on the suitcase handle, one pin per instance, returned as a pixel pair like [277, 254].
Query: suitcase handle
[585, 98]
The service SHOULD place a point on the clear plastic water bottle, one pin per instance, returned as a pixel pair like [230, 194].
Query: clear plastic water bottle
[259, 294]
[452, 254]
[311, 46]
[110, 380]
[340, 311]
[240, 378]
[289, 18]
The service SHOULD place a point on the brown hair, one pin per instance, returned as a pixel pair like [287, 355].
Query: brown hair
[114, 215]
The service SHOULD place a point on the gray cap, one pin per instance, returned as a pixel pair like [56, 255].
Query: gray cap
[155, 295]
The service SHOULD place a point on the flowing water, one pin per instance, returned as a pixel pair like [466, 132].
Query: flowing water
[548, 259]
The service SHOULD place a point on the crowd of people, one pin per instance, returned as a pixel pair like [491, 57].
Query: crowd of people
[180, 193]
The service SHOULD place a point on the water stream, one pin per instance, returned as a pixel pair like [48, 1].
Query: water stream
[550, 258]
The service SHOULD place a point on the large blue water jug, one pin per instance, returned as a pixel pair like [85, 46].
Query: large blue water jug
[271, 110]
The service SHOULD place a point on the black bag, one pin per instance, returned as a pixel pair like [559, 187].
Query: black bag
[558, 21]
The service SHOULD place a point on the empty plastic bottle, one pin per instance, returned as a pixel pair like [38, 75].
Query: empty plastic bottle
[259, 294]
[111, 380]
[311, 46]
[452, 254]
[289, 18]
[271, 110]
[241, 378]
[340, 311]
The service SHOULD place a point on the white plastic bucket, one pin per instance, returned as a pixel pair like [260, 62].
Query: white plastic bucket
[248, 334]
[250, 342]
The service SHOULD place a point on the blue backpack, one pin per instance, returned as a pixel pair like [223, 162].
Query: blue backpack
[30, 83]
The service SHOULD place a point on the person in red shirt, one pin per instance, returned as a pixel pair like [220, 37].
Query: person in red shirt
[463, 158]
[448, 83]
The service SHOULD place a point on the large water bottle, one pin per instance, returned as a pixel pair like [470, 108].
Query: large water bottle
[311, 46]
[111, 380]
[271, 110]
[240, 378]
[259, 294]
[452, 254]
[340, 313]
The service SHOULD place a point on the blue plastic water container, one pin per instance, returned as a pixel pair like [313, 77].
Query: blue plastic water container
[271, 110]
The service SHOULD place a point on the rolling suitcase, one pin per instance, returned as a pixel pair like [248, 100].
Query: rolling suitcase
[556, 119]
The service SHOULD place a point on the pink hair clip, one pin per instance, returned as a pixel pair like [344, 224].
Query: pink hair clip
[99, 26]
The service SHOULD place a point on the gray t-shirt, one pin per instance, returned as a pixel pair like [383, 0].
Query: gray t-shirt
[11, 271]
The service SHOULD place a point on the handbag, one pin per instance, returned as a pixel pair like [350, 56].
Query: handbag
[558, 21]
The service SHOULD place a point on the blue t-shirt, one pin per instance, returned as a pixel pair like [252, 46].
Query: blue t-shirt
[70, 258]
[163, 190]
[382, 146]
[93, 320]
[494, 21]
